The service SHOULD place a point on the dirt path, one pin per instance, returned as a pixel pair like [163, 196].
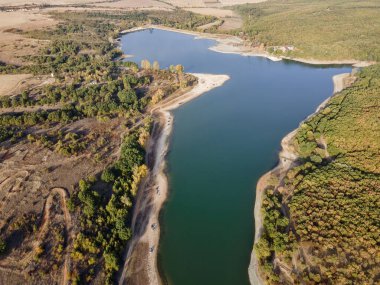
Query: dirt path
[68, 224]
[210, 25]
[10, 83]
[323, 144]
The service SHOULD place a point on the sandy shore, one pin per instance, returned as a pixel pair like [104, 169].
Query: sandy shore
[287, 156]
[234, 45]
[287, 159]
[154, 192]
[225, 43]
[340, 81]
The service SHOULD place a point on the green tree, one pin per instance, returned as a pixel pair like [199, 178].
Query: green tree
[111, 261]
[108, 175]
[262, 248]
[127, 97]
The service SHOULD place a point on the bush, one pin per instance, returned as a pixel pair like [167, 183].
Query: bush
[108, 175]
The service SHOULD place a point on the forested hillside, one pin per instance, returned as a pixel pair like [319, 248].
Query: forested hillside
[322, 220]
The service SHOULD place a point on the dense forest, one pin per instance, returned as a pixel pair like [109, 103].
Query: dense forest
[321, 222]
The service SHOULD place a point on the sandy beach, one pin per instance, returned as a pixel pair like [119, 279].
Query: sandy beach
[341, 81]
[235, 45]
[142, 254]
[287, 159]
[225, 43]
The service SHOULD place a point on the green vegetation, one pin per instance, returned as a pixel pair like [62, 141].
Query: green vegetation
[104, 216]
[97, 27]
[321, 222]
[92, 83]
[319, 29]
[332, 197]
[89, 82]
[49, 254]
[275, 238]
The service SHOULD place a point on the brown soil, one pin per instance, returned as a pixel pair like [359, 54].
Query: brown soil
[50, 2]
[231, 20]
[30, 177]
[209, 3]
[14, 84]
[14, 46]
[136, 4]
[10, 84]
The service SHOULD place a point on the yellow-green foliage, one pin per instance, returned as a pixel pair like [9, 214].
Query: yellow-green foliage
[351, 126]
[105, 219]
[138, 173]
[320, 29]
[157, 97]
[335, 199]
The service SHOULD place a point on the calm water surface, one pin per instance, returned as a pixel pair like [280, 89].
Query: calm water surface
[222, 143]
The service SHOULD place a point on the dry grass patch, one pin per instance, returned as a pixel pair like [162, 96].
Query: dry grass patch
[231, 19]
[25, 20]
[135, 4]
[238, 2]
[221, 13]
[14, 84]
[14, 46]
[210, 3]
[11, 83]
[49, 2]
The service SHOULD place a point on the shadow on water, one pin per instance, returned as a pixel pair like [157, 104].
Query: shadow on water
[322, 66]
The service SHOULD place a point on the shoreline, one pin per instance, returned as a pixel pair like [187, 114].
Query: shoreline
[229, 44]
[155, 189]
[287, 159]
[234, 45]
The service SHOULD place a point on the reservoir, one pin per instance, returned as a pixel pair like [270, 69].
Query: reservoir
[222, 142]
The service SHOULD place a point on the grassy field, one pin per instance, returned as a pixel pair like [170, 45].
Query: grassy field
[323, 30]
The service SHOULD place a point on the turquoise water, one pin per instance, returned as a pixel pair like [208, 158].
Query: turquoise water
[222, 143]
